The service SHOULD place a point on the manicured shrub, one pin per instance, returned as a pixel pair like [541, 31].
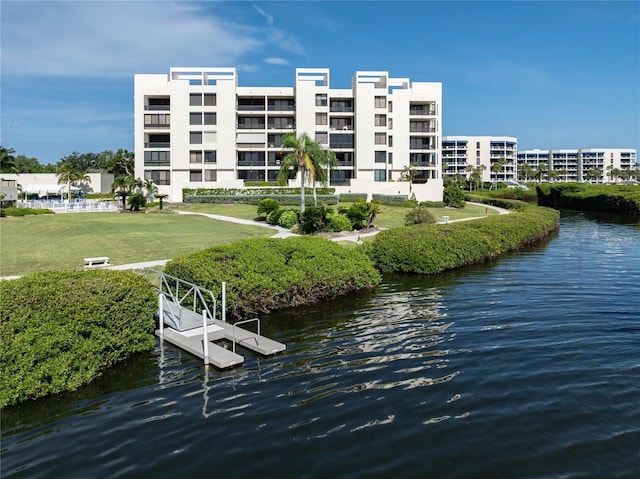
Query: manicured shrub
[137, 201]
[337, 223]
[270, 273]
[274, 217]
[59, 330]
[314, 218]
[419, 215]
[429, 249]
[357, 214]
[453, 196]
[289, 218]
[267, 206]
[15, 211]
[350, 197]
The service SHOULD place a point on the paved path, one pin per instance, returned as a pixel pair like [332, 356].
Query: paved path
[280, 233]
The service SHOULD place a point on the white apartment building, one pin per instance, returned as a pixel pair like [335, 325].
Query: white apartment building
[576, 164]
[196, 128]
[487, 151]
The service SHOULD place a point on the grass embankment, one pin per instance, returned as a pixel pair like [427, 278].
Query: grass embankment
[59, 242]
[623, 199]
[59, 330]
[429, 249]
[267, 274]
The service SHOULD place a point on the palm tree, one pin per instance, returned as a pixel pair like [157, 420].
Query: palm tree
[409, 173]
[306, 154]
[496, 167]
[69, 174]
[161, 197]
[150, 186]
[7, 160]
[123, 187]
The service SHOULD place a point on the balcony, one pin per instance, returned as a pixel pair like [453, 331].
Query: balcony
[157, 107]
[157, 144]
[422, 111]
[250, 126]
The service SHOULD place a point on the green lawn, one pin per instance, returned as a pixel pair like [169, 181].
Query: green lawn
[45, 242]
[390, 217]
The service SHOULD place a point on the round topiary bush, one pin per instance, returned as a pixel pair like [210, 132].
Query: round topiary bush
[288, 219]
[337, 223]
[274, 217]
[419, 215]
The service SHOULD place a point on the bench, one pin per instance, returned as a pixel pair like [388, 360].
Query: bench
[96, 262]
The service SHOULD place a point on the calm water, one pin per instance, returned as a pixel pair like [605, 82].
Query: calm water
[528, 367]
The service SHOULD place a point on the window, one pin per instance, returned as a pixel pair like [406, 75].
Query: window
[195, 156]
[390, 140]
[321, 99]
[195, 175]
[341, 140]
[195, 118]
[381, 120]
[380, 139]
[390, 111]
[380, 175]
[210, 119]
[210, 156]
[210, 137]
[157, 158]
[195, 99]
[157, 120]
[322, 137]
[195, 138]
[210, 175]
[390, 161]
[159, 177]
[321, 118]
[380, 102]
[477, 144]
[209, 99]
[381, 157]
[390, 121]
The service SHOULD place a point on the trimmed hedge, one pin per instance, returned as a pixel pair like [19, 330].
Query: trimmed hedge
[256, 199]
[430, 249]
[59, 330]
[15, 211]
[579, 196]
[352, 197]
[271, 273]
[389, 200]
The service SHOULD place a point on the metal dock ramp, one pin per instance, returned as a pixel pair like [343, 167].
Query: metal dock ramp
[184, 314]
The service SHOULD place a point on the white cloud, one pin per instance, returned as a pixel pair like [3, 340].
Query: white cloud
[276, 61]
[118, 38]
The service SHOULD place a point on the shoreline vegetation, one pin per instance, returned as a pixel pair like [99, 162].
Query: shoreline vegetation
[61, 329]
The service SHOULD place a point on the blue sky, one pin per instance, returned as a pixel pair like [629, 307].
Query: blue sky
[553, 74]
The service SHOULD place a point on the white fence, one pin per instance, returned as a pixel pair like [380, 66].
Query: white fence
[77, 206]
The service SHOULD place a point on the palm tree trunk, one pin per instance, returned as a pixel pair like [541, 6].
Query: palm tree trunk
[315, 197]
[302, 201]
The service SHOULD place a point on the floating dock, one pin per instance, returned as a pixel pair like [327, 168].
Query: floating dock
[187, 321]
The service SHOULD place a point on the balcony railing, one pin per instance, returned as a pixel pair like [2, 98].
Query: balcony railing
[157, 144]
[422, 111]
[341, 109]
[281, 108]
[250, 126]
[157, 107]
[251, 162]
[423, 129]
[250, 107]
[151, 126]
[277, 126]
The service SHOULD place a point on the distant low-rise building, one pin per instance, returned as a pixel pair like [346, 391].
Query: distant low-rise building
[598, 165]
[462, 153]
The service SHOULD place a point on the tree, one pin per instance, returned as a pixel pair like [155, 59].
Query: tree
[593, 174]
[409, 173]
[7, 160]
[124, 186]
[151, 188]
[540, 172]
[120, 163]
[306, 154]
[496, 167]
[475, 175]
[82, 161]
[69, 174]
